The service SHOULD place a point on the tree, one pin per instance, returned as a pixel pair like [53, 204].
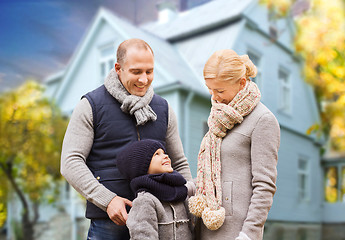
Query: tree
[320, 41]
[31, 133]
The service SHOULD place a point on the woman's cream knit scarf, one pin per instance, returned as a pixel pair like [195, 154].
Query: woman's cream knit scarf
[207, 203]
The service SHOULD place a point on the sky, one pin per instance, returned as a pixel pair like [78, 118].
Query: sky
[38, 37]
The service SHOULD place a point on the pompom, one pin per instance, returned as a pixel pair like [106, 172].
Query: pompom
[196, 205]
[213, 219]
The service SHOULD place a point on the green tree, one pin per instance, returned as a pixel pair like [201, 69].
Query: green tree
[31, 133]
[320, 41]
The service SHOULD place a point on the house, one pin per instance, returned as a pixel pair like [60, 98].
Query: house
[182, 42]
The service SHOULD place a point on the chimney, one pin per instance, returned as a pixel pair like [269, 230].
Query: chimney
[167, 11]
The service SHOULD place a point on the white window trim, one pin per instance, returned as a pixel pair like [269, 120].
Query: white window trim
[106, 59]
[306, 173]
[288, 86]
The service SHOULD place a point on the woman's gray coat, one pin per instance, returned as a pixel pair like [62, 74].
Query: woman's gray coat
[249, 154]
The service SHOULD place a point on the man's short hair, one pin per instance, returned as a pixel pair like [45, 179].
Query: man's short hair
[133, 42]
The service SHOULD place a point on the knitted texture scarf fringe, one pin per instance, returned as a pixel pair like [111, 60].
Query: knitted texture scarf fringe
[167, 187]
[207, 202]
[134, 105]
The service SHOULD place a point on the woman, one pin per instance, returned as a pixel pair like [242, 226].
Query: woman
[238, 155]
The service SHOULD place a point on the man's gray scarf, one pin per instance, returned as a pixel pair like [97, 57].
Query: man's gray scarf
[134, 105]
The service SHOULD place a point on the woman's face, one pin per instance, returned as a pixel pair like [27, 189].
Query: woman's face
[224, 91]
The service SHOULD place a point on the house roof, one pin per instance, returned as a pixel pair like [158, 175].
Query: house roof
[55, 76]
[214, 13]
[170, 66]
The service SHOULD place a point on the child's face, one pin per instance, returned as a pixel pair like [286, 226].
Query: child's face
[160, 163]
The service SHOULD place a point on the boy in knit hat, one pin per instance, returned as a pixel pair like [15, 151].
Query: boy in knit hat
[159, 210]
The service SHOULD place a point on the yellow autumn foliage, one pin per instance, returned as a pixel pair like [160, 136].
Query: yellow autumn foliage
[320, 40]
[3, 209]
[32, 129]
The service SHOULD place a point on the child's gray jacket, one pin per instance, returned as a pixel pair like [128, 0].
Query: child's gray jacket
[149, 218]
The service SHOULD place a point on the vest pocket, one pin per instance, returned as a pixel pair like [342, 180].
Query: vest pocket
[112, 179]
[227, 198]
[108, 174]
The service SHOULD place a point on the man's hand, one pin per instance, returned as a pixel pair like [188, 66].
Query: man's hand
[117, 210]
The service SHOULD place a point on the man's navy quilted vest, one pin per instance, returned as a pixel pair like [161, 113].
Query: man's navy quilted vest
[113, 130]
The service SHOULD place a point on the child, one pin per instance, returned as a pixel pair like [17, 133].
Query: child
[159, 210]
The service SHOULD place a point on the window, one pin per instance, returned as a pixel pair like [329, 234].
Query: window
[106, 65]
[285, 91]
[302, 234]
[331, 184]
[279, 233]
[257, 62]
[334, 183]
[343, 184]
[107, 60]
[303, 179]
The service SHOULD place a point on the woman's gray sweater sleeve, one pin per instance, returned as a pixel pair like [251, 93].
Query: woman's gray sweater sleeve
[76, 147]
[175, 149]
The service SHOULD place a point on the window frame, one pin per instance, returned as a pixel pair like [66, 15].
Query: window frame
[340, 182]
[105, 60]
[285, 105]
[306, 174]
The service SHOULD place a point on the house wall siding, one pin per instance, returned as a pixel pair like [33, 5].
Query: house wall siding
[286, 203]
[198, 112]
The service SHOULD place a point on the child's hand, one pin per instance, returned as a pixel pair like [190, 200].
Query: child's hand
[191, 188]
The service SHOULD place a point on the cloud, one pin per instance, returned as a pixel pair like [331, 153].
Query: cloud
[42, 35]
[1, 77]
[9, 81]
[26, 67]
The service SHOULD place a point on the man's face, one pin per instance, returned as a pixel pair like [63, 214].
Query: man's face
[136, 72]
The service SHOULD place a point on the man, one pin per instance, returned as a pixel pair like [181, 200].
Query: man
[123, 110]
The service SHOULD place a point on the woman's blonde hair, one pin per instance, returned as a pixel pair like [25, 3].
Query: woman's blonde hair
[226, 65]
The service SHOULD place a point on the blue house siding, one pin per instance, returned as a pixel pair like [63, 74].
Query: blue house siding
[287, 205]
[195, 125]
[275, 58]
[192, 110]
